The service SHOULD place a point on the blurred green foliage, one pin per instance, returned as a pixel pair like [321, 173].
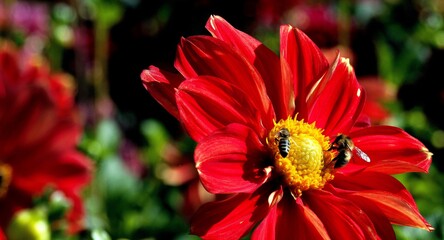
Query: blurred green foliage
[122, 204]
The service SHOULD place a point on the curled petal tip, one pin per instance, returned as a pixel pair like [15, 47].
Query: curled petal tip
[430, 228]
[144, 75]
[267, 172]
[212, 21]
[346, 62]
[426, 151]
[275, 197]
[213, 17]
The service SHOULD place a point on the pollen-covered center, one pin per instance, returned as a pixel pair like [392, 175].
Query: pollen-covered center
[301, 155]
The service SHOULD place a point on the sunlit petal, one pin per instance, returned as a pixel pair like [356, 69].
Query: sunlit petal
[340, 103]
[391, 150]
[213, 57]
[306, 62]
[207, 103]
[384, 192]
[336, 213]
[264, 60]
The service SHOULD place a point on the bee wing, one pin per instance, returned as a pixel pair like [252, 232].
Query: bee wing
[362, 154]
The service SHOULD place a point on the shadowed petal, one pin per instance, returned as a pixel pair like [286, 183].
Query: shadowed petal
[161, 85]
[279, 85]
[341, 217]
[391, 150]
[306, 61]
[233, 217]
[339, 105]
[362, 122]
[291, 219]
[267, 229]
[229, 161]
[382, 225]
[318, 86]
[385, 192]
[208, 103]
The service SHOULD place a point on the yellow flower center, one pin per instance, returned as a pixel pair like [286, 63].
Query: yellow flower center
[5, 178]
[301, 155]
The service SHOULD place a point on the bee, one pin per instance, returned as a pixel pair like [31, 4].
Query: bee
[345, 148]
[283, 140]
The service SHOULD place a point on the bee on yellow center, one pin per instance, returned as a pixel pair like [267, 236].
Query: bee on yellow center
[301, 155]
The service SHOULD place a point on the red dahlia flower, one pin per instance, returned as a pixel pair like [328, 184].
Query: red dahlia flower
[234, 97]
[39, 129]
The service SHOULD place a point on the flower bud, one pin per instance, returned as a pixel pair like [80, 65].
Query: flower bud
[29, 224]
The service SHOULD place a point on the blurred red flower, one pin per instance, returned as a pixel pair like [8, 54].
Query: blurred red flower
[39, 130]
[238, 100]
[379, 92]
[319, 21]
[270, 12]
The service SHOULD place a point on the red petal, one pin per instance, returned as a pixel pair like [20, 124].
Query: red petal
[291, 218]
[161, 85]
[229, 161]
[267, 229]
[305, 60]
[385, 192]
[380, 221]
[75, 215]
[339, 105]
[318, 86]
[2, 235]
[184, 63]
[26, 107]
[70, 170]
[231, 218]
[9, 67]
[208, 103]
[52, 136]
[362, 122]
[264, 60]
[213, 57]
[342, 218]
[391, 150]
